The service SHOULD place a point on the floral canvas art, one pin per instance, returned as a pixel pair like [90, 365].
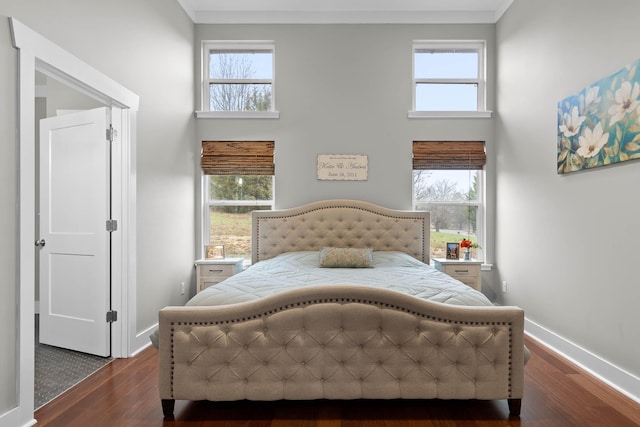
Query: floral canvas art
[600, 125]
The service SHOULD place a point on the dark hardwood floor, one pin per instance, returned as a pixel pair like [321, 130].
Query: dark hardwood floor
[557, 394]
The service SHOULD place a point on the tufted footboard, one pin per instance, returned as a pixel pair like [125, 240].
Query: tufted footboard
[337, 342]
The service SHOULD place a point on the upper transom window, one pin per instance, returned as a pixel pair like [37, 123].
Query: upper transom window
[238, 77]
[449, 76]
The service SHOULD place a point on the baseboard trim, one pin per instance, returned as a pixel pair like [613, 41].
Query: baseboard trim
[142, 340]
[621, 380]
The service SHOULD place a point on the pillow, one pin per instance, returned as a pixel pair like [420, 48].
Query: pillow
[346, 257]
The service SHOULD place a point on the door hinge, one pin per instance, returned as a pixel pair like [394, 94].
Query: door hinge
[112, 134]
[112, 316]
[112, 225]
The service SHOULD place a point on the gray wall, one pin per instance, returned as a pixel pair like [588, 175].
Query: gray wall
[566, 244]
[8, 218]
[147, 46]
[345, 89]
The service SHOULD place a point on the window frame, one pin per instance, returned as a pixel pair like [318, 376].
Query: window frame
[448, 45]
[208, 203]
[206, 80]
[479, 203]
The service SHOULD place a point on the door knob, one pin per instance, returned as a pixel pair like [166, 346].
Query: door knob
[40, 242]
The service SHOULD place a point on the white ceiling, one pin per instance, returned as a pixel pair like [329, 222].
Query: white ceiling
[345, 11]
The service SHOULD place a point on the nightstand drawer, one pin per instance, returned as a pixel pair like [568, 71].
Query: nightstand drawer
[468, 272]
[212, 272]
[460, 270]
[218, 270]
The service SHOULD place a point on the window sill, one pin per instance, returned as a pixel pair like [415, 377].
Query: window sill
[450, 114]
[237, 114]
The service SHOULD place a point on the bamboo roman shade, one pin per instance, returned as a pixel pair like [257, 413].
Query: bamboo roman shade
[237, 157]
[448, 155]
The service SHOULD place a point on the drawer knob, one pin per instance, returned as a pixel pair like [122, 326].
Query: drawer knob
[215, 271]
[461, 271]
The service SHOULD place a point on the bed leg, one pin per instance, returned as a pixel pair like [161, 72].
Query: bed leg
[167, 407]
[514, 407]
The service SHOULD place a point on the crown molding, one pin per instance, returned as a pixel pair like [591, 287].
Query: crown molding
[227, 15]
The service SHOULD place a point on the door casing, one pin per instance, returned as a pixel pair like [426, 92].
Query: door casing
[38, 53]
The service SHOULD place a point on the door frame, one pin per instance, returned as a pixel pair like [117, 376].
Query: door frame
[38, 53]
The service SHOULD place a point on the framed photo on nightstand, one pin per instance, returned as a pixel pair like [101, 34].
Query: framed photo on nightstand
[214, 251]
[453, 250]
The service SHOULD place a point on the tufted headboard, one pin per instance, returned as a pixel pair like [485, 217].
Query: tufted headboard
[339, 223]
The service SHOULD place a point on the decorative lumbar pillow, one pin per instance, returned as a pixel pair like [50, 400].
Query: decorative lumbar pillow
[346, 257]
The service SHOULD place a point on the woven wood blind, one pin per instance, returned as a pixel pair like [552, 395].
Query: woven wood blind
[448, 155]
[237, 157]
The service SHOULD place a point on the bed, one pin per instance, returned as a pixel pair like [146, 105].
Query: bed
[294, 327]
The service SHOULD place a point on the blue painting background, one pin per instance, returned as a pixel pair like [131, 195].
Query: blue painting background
[599, 125]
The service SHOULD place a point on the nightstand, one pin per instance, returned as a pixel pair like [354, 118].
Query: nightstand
[212, 271]
[468, 272]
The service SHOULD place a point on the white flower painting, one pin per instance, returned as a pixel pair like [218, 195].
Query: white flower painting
[600, 125]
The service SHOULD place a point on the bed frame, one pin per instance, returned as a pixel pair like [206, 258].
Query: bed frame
[340, 342]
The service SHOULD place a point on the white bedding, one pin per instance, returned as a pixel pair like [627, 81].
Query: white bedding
[391, 270]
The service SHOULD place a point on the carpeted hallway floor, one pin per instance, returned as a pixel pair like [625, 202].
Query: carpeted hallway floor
[58, 369]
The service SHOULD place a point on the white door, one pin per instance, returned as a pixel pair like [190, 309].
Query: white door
[74, 242]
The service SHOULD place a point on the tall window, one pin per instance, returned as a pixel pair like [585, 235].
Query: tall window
[238, 76]
[449, 76]
[239, 179]
[448, 182]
